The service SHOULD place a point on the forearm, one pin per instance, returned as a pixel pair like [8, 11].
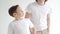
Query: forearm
[48, 24]
[48, 21]
[34, 31]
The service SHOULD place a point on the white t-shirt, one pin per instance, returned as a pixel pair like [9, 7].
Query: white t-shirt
[20, 27]
[39, 15]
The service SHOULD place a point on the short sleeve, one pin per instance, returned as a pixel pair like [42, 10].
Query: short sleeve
[49, 10]
[30, 24]
[10, 29]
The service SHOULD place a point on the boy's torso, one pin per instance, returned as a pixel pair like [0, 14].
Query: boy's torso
[39, 15]
[21, 27]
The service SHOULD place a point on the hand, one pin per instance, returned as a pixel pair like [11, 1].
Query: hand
[27, 15]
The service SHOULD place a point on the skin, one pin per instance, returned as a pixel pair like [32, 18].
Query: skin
[41, 3]
[48, 22]
[27, 15]
[33, 30]
[19, 13]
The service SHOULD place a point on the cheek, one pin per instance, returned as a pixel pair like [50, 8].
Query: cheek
[21, 13]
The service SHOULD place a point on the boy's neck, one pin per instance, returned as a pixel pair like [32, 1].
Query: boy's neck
[19, 18]
[41, 3]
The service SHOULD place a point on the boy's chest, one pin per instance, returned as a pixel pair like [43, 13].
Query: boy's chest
[21, 26]
[39, 10]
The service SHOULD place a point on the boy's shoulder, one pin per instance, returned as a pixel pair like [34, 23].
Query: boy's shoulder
[12, 23]
[30, 4]
[27, 20]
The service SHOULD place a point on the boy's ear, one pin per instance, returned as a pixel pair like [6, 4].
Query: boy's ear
[14, 14]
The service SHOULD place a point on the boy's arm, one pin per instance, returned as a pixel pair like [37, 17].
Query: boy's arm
[33, 30]
[32, 27]
[10, 29]
[27, 15]
[48, 21]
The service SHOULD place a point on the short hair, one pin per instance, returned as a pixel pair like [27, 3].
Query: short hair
[45, 0]
[12, 10]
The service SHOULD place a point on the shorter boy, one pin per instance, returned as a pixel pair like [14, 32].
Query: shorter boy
[19, 25]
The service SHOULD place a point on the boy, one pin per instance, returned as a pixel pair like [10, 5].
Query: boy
[19, 25]
[40, 16]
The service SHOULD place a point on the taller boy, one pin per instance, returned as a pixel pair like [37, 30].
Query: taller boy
[40, 16]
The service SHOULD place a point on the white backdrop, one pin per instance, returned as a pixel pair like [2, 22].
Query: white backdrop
[5, 19]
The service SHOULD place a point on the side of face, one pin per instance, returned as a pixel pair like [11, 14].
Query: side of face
[19, 12]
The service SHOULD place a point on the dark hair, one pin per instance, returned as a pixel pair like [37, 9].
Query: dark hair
[12, 10]
[45, 0]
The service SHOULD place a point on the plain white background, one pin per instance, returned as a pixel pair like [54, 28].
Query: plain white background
[5, 19]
